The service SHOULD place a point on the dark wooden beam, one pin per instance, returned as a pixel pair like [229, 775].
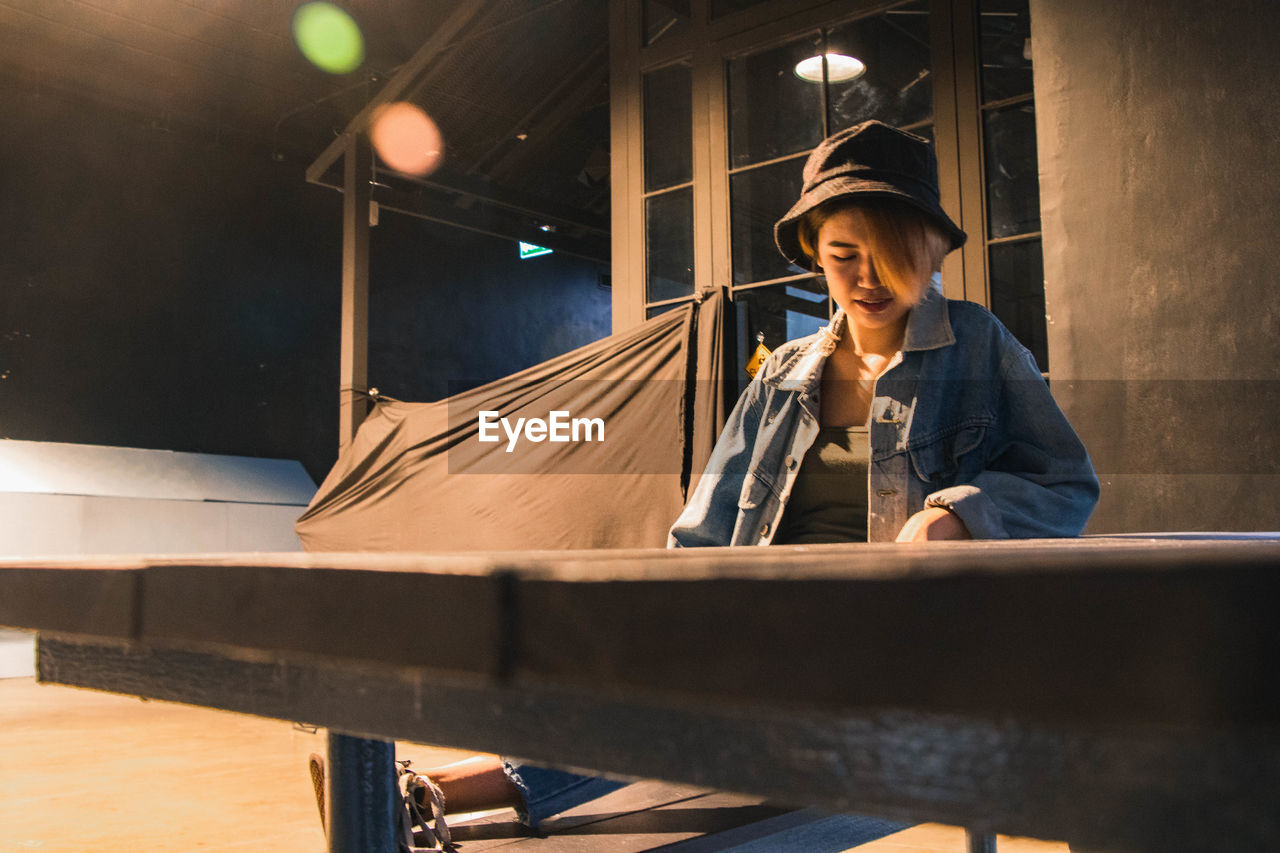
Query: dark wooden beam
[99, 599]
[1156, 790]
[1116, 693]
[1104, 631]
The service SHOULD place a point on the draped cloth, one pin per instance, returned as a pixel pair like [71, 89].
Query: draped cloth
[648, 405]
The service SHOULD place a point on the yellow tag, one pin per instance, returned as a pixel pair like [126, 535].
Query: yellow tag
[757, 358]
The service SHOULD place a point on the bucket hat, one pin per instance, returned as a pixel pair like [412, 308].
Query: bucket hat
[868, 160]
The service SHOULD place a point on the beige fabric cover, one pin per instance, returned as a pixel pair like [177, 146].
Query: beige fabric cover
[416, 477]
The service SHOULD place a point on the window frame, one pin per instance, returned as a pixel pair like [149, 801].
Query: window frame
[709, 45]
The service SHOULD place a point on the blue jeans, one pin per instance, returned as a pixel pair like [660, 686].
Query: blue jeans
[548, 792]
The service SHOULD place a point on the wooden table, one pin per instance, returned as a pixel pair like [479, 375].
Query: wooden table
[1116, 694]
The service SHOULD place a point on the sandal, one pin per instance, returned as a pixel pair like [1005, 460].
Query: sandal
[422, 827]
[316, 764]
[424, 809]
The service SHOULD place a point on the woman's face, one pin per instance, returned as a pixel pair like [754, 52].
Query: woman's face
[847, 261]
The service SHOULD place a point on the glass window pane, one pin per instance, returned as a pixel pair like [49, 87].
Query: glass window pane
[668, 127]
[1006, 49]
[1017, 294]
[783, 312]
[1012, 171]
[758, 198]
[897, 86]
[719, 8]
[668, 223]
[773, 112]
[664, 18]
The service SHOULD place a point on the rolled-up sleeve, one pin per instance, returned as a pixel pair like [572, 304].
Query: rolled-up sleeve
[1038, 481]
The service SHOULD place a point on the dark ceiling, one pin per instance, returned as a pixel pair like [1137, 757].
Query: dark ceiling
[519, 91]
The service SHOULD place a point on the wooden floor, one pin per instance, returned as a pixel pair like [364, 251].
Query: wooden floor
[88, 771]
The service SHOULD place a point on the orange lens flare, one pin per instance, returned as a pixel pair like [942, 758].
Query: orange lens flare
[406, 139]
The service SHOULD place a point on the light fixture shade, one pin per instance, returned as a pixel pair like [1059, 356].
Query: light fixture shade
[840, 68]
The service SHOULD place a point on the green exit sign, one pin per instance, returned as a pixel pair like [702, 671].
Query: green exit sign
[528, 250]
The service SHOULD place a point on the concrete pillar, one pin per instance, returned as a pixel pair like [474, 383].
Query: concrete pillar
[1158, 127]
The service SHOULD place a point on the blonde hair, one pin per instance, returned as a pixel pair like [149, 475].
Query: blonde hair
[907, 247]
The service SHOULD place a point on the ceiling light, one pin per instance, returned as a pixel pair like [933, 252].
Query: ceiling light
[840, 68]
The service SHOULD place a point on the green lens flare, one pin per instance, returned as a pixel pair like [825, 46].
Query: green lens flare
[328, 37]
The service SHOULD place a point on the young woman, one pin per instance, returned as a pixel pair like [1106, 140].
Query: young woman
[910, 417]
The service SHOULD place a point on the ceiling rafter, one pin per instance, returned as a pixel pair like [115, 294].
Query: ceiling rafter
[584, 81]
[551, 122]
[228, 70]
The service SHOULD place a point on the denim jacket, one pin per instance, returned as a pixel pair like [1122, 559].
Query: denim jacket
[961, 419]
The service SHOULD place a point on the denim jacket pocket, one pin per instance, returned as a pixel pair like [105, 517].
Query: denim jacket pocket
[949, 455]
[756, 490]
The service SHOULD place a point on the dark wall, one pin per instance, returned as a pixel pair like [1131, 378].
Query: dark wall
[166, 289]
[451, 309]
[159, 289]
[1157, 126]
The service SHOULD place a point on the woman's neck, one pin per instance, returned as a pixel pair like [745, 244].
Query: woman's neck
[883, 342]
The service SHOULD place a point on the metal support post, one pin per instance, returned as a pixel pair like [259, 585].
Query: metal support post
[980, 842]
[361, 791]
[353, 365]
[362, 795]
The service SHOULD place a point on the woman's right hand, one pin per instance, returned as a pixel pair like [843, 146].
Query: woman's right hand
[931, 524]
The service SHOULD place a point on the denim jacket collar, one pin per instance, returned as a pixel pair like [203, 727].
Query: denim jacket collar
[928, 327]
[929, 324]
